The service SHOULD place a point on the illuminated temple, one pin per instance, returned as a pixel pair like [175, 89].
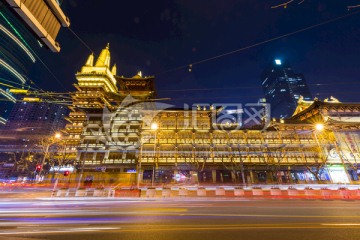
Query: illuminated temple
[116, 125]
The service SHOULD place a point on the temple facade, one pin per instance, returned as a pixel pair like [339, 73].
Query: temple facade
[118, 125]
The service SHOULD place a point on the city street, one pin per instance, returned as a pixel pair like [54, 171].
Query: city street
[191, 218]
[179, 120]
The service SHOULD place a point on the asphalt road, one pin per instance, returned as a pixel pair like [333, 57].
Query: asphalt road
[179, 219]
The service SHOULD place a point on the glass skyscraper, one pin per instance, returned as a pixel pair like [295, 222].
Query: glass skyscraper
[282, 88]
[17, 47]
[24, 30]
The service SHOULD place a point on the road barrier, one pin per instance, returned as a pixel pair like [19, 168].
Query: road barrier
[220, 192]
[257, 192]
[201, 192]
[90, 192]
[345, 194]
[310, 193]
[239, 192]
[275, 192]
[109, 192]
[357, 193]
[166, 192]
[98, 193]
[62, 193]
[150, 192]
[183, 192]
[291, 193]
[326, 193]
[127, 192]
[81, 192]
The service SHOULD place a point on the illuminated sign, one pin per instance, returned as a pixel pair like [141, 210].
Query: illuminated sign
[62, 169]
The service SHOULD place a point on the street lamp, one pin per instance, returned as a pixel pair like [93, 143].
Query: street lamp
[83, 165]
[155, 127]
[319, 127]
[139, 174]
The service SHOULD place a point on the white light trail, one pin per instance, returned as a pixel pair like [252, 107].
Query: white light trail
[21, 45]
[2, 120]
[340, 224]
[12, 70]
[7, 95]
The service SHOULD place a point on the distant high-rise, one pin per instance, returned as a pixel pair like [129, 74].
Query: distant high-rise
[28, 123]
[38, 118]
[26, 26]
[282, 88]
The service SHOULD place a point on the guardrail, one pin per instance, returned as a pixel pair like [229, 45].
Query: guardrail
[224, 192]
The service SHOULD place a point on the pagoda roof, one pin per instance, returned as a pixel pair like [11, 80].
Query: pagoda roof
[317, 107]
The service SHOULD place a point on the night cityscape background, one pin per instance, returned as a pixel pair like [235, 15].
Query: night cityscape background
[179, 119]
[157, 37]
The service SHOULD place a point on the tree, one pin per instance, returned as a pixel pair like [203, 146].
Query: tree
[318, 157]
[48, 147]
[351, 147]
[26, 163]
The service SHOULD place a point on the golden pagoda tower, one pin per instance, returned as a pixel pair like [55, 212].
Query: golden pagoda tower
[94, 83]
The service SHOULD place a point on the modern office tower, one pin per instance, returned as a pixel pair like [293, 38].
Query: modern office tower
[42, 118]
[29, 122]
[26, 26]
[282, 88]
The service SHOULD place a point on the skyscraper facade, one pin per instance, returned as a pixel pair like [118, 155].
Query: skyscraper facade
[21, 137]
[282, 88]
[25, 28]
[28, 122]
[41, 117]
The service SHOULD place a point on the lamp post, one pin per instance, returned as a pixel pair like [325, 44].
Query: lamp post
[155, 127]
[139, 175]
[82, 166]
[57, 174]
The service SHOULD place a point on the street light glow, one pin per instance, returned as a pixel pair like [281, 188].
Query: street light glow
[319, 127]
[57, 135]
[154, 126]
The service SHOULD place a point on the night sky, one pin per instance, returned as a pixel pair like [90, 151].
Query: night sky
[158, 36]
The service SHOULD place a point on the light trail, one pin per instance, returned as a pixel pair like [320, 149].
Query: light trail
[7, 95]
[12, 70]
[172, 227]
[19, 43]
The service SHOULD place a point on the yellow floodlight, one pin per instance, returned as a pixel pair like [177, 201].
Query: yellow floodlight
[31, 99]
[18, 91]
